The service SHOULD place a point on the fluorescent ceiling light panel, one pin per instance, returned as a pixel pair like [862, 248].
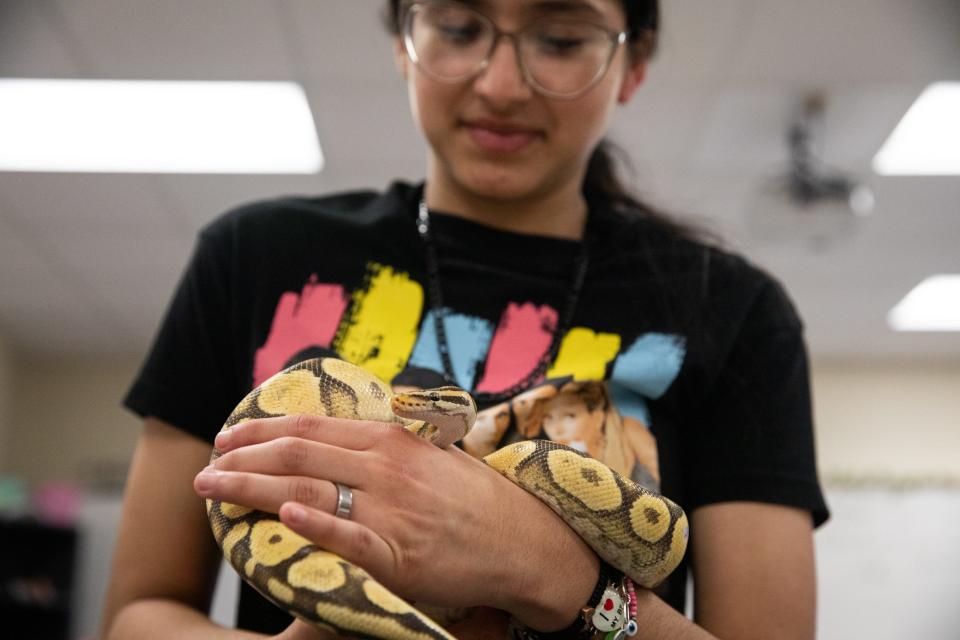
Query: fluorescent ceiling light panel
[135, 126]
[927, 140]
[933, 305]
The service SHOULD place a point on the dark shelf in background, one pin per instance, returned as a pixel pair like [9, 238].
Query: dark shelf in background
[36, 578]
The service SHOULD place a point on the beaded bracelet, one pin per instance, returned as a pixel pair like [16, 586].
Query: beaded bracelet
[610, 614]
[631, 628]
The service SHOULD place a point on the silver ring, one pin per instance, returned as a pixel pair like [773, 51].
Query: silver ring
[344, 501]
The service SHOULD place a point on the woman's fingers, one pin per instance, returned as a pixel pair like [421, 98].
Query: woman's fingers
[289, 456]
[300, 630]
[348, 538]
[265, 492]
[358, 435]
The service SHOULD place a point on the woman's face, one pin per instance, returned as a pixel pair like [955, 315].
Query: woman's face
[567, 420]
[493, 135]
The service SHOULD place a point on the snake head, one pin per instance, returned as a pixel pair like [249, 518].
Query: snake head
[450, 409]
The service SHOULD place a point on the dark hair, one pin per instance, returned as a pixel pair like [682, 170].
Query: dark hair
[603, 180]
[593, 395]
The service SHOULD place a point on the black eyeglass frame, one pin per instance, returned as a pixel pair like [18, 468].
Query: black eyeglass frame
[617, 39]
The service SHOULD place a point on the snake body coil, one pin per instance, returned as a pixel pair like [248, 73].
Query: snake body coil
[637, 531]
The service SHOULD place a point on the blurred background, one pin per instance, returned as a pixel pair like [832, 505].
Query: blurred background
[762, 119]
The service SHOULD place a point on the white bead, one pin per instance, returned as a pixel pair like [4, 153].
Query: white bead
[632, 628]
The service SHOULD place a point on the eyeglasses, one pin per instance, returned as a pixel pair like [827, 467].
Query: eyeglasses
[559, 58]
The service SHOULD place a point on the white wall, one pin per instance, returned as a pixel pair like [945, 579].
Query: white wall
[69, 422]
[888, 422]
[888, 564]
[888, 437]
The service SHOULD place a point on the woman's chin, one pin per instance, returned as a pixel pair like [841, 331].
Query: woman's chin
[500, 183]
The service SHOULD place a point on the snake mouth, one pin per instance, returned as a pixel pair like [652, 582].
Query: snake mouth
[407, 405]
[451, 414]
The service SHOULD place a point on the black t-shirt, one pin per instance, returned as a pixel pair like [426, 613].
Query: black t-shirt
[702, 353]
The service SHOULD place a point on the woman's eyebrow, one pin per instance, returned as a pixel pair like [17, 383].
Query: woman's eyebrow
[579, 8]
[582, 8]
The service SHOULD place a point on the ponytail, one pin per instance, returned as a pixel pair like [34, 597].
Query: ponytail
[602, 180]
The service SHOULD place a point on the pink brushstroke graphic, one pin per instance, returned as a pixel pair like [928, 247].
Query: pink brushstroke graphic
[300, 321]
[520, 341]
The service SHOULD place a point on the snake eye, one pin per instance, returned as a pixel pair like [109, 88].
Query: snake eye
[434, 397]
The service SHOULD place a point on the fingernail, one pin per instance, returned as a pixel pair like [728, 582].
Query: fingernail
[222, 439]
[296, 514]
[207, 479]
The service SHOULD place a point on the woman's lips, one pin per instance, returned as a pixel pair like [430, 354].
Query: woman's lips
[500, 138]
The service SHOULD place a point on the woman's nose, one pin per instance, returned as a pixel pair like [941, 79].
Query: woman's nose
[501, 81]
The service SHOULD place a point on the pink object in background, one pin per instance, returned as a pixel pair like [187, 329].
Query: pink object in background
[57, 503]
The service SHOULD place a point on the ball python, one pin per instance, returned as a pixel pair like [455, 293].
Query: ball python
[635, 530]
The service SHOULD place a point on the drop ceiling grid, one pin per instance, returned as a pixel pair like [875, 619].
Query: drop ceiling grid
[710, 54]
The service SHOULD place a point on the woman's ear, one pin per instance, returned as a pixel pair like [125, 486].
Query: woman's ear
[632, 79]
[400, 59]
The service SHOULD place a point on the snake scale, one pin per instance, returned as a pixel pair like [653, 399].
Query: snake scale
[635, 530]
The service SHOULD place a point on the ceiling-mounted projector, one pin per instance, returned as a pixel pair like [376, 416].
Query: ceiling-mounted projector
[809, 203]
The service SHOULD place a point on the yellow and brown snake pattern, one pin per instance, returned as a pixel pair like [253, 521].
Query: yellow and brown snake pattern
[637, 531]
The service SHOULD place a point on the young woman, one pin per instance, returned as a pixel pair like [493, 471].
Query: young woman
[535, 264]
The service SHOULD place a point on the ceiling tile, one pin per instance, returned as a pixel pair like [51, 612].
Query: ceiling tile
[59, 203]
[824, 42]
[697, 42]
[661, 125]
[745, 131]
[40, 308]
[338, 40]
[178, 39]
[31, 45]
[94, 258]
[28, 278]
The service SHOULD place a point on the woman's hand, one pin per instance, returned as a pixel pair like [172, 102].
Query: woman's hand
[430, 524]
[300, 630]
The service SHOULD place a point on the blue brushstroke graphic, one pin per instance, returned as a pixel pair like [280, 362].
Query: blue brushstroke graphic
[469, 340]
[646, 370]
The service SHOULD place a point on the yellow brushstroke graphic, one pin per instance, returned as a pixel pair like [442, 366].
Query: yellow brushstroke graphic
[380, 330]
[584, 354]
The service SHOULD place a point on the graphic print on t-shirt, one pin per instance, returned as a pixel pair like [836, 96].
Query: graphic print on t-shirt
[578, 413]
[301, 321]
[382, 327]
